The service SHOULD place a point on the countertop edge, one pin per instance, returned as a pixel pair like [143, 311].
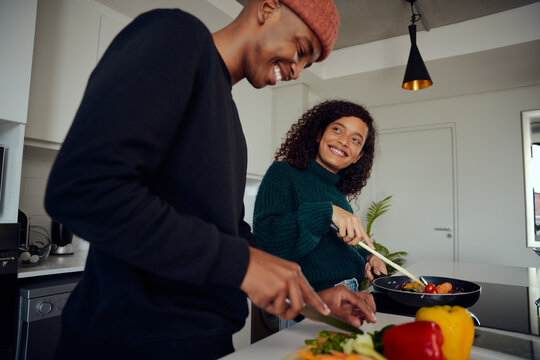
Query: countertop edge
[56, 265]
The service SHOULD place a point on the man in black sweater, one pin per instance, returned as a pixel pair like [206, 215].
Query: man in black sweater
[152, 174]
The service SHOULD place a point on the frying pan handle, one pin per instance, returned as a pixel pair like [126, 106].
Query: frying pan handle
[381, 275]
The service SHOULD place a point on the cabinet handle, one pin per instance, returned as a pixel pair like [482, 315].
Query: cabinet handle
[443, 228]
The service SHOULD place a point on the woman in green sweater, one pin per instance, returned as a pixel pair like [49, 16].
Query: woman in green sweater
[326, 157]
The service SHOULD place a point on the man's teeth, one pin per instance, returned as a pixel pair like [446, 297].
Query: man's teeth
[277, 71]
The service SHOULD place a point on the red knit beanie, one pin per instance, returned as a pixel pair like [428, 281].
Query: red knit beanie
[322, 17]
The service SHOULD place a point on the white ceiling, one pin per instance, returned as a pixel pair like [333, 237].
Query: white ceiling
[363, 21]
[472, 46]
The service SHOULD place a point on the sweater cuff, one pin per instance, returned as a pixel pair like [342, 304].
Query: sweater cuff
[316, 216]
[232, 261]
[364, 253]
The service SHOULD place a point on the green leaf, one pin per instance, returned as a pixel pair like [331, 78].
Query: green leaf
[375, 210]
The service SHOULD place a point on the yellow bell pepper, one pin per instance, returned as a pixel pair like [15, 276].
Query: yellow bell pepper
[457, 328]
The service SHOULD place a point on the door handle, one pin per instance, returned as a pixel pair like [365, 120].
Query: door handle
[443, 228]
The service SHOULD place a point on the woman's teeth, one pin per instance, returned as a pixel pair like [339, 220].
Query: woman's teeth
[337, 151]
[277, 72]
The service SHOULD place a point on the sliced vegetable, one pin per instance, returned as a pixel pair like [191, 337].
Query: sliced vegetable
[419, 340]
[414, 287]
[457, 328]
[444, 288]
[331, 345]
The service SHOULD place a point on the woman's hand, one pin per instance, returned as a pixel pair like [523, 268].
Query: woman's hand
[374, 267]
[353, 307]
[350, 227]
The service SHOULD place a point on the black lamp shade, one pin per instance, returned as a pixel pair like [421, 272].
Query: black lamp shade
[416, 74]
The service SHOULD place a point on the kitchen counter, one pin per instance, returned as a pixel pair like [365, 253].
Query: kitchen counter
[287, 341]
[56, 264]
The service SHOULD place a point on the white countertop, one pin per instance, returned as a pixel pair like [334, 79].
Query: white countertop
[285, 342]
[56, 264]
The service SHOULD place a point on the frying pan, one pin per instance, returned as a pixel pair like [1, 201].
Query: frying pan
[470, 292]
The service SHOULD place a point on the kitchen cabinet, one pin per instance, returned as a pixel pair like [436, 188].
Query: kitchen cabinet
[70, 37]
[17, 23]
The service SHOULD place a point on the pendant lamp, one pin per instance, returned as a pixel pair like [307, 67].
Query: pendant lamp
[416, 75]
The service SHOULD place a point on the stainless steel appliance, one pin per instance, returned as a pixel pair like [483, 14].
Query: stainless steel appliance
[9, 239]
[41, 302]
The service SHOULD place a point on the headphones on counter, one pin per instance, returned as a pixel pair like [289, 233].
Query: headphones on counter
[33, 251]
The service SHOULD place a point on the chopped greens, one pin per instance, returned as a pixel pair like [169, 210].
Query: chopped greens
[363, 344]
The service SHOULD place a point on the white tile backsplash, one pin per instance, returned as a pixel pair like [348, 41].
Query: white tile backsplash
[36, 166]
[33, 187]
[36, 169]
[32, 205]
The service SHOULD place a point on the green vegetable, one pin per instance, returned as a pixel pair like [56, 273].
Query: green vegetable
[377, 338]
[362, 344]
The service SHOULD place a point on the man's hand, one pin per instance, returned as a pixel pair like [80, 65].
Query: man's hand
[353, 307]
[270, 281]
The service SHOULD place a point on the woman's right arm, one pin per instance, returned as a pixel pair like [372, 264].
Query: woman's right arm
[350, 227]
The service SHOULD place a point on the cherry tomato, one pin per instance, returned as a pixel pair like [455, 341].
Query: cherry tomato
[430, 288]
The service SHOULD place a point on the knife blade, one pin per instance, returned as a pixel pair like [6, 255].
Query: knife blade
[313, 314]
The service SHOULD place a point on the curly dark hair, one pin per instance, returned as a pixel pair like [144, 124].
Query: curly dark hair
[301, 143]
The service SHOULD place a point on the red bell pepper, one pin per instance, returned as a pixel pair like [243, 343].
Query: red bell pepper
[419, 340]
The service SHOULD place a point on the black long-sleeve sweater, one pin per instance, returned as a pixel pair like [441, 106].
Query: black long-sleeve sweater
[152, 174]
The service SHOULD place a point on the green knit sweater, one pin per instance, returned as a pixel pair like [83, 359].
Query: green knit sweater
[293, 213]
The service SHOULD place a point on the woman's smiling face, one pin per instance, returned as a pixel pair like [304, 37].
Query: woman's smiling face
[341, 143]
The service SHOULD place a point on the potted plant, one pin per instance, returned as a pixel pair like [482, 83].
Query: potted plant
[376, 209]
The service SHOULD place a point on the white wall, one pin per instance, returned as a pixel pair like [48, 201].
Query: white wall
[491, 204]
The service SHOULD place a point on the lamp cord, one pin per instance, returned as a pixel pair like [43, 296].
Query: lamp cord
[415, 17]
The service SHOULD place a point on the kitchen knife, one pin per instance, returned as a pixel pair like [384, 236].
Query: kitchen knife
[313, 314]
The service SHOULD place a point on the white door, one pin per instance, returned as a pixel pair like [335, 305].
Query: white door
[416, 166]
